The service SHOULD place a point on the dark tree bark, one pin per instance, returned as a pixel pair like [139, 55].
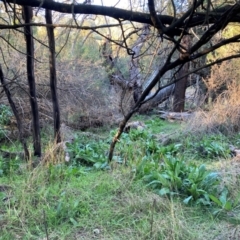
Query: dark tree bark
[180, 87]
[180, 90]
[27, 15]
[175, 25]
[53, 77]
[15, 112]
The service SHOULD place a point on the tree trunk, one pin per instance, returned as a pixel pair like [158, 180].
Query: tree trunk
[53, 77]
[180, 90]
[27, 16]
[15, 112]
[181, 85]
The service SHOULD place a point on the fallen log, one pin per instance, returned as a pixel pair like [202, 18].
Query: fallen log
[181, 116]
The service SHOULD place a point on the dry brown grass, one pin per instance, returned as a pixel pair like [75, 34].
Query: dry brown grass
[83, 86]
[83, 90]
[224, 113]
[230, 172]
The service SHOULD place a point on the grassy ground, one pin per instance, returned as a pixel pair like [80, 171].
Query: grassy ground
[98, 205]
[74, 201]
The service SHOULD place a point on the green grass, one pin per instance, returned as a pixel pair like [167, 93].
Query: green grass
[156, 125]
[109, 203]
[82, 201]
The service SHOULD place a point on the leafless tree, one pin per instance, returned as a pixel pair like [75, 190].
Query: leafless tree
[53, 76]
[27, 16]
[171, 27]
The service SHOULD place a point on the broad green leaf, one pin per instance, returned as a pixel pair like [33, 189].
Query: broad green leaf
[73, 221]
[187, 200]
[223, 197]
[228, 206]
[154, 182]
[215, 200]
[203, 201]
[164, 191]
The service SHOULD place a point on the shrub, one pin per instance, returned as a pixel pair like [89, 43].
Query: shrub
[5, 115]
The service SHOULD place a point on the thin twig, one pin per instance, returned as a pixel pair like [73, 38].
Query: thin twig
[152, 218]
[45, 225]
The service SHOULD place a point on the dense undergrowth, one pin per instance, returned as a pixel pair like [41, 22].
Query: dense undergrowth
[162, 184]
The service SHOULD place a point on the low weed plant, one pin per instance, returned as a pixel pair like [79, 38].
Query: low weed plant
[162, 168]
[5, 114]
[210, 147]
[9, 166]
[174, 177]
[90, 155]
